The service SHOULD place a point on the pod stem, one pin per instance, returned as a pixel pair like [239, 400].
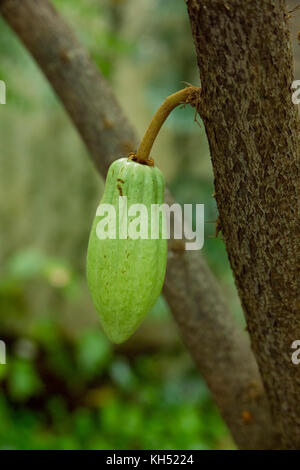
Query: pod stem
[189, 95]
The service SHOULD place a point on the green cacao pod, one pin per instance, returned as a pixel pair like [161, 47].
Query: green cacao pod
[125, 274]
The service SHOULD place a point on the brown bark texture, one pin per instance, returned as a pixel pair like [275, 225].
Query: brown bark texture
[208, 329]
[246, 68]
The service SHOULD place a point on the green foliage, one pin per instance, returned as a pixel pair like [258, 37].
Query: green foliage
[23, 381]
[93, 353]
[62, 391]
[102, 38]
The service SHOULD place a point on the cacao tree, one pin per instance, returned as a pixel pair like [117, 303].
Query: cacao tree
[246, 69]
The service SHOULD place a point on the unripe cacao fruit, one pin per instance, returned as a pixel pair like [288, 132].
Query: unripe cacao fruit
[125, 275]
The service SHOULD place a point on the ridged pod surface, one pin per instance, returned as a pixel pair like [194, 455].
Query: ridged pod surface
[125, 276]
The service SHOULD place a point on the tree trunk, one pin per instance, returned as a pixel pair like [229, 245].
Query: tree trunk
[245, 62]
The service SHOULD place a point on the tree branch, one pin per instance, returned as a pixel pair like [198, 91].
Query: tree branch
[219, 348]
[245, 62]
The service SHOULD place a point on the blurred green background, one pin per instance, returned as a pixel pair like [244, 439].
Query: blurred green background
[64, 385]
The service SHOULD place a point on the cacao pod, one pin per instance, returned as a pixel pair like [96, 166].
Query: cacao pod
[125, 274]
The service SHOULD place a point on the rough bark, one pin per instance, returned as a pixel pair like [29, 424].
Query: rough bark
[219, 348]
[244, 57]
